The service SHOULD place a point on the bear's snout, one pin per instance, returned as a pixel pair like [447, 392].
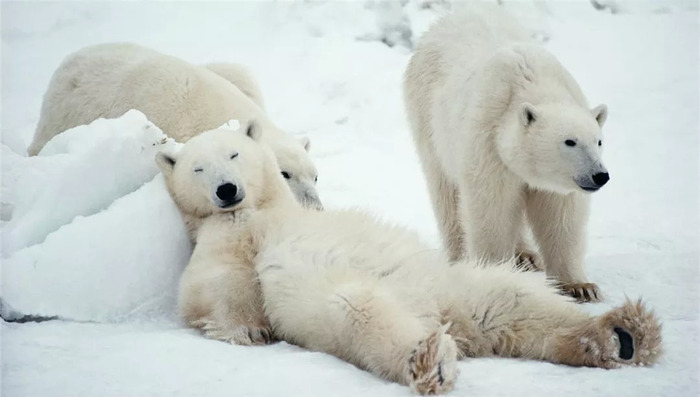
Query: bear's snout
[592, 183]
[227, 193]
[601, 178]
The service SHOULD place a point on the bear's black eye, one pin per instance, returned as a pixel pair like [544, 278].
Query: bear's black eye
[198, 169]
[316, 179]
[600, 143]
[233, 156]
[570, 142]
[286, 175]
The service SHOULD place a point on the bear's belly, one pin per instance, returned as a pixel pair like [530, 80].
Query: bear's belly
[307, 265]
[343, 244]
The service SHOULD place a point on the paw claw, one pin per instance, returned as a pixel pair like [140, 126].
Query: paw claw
[237, 334]
[582, 292]
[260, 336]
[527, 261]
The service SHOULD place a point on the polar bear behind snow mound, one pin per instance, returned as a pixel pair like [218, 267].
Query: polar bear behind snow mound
[241, 77]
[507, 140]
[183, 100]
[373, 294]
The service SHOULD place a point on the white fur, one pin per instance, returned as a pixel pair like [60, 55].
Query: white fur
[241, 77]
[345, 283]
[182, 99]
[472, 90]
[219, 264]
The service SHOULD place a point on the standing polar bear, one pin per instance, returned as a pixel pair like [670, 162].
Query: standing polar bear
[183, 100]
[372, 294]
[506, 139]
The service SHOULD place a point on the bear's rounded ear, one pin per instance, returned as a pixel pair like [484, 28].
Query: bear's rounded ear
[305, 142]
[253, 130]
[166, 162]
[528, 114]
[600, 113]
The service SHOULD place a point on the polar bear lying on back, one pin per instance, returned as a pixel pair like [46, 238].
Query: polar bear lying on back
[183, 100]
[506, 139]
[343, 283]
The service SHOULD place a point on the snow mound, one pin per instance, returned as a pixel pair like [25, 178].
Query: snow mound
[113, 250]
[12, 164]
[103, 161]
[234, 125]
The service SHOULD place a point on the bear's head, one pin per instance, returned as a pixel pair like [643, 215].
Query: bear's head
[219, 171]
[558, 147]
[297, 169]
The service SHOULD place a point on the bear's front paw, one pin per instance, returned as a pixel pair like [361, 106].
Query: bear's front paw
[432, 366]
[259, 335]
[249, 335]
[582, 292]
[236, 334]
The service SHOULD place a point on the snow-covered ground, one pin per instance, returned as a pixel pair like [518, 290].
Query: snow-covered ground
[90, 235]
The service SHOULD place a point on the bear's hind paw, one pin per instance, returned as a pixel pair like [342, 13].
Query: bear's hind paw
[633, 335]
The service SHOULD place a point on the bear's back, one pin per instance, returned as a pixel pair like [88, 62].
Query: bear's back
[466, 37]
[181, 99]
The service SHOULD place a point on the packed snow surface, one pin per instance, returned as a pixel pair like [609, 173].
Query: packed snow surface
[90, 235]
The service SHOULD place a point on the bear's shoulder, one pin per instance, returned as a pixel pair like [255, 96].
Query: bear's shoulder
[532, 74]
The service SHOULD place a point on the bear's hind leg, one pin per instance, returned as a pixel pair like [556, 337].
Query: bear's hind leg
[387, 338]
[364, 324]
[513, 314]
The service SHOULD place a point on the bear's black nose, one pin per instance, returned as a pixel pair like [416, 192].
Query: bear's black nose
[226, 192]
[601, 178]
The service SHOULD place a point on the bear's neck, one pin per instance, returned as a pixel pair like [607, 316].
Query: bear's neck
[193, 223]
[277, 195]
[276, 192]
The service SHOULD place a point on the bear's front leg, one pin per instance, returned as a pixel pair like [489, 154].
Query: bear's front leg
[220, 292]
[559, 225]
[223, 300]
[491, 212]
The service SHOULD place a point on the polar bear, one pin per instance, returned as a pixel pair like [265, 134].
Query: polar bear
[506, 140]
[216, 173]
[370, 293]
[183, 100]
